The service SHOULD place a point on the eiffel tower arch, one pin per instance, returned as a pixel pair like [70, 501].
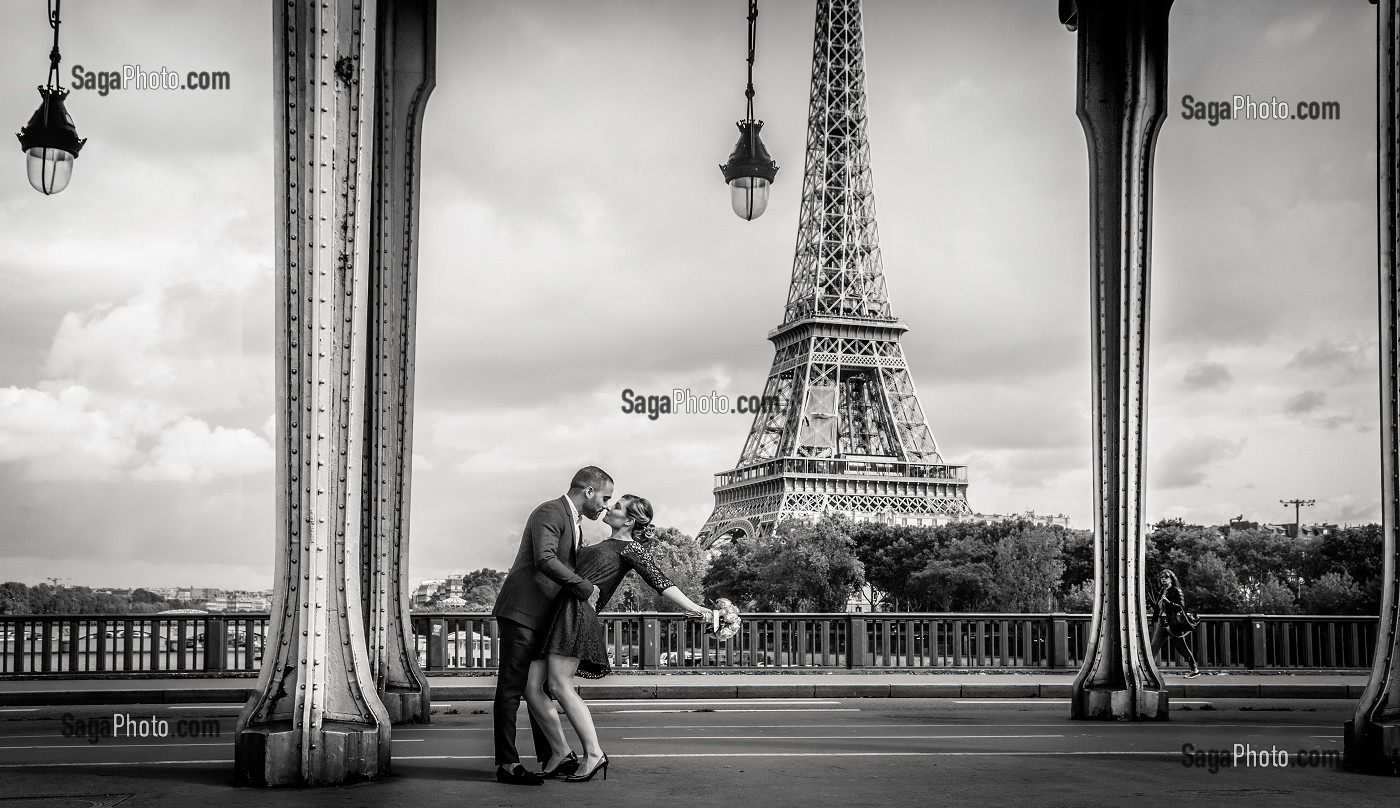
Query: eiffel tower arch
[848, 434]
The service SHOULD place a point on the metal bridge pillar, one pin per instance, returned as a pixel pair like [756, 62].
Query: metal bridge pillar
[407, 33]
[1373, 734]
[1122, 102]
[346, 169]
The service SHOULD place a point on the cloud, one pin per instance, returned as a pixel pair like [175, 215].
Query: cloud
[1294, 30]
[1307, 407]
[56, 434]
[1207, 376]
[1304, 403]
[1351, 355]
[191, 450]
[1351, 508]
[1187, 462]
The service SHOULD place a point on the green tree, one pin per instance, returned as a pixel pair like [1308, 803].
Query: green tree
[1355, 551]
[890, 555]
[1028, 568]
[804, 566]
[684, 562]
[1333, 593]
[1258, 555]
[1208, 584]
[960, 580]
[479, 590]
[1080, 599]
[14, 598]
[1271, 596]
[1077, 550]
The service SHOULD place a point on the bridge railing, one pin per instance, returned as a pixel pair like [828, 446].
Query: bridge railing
[175, 645]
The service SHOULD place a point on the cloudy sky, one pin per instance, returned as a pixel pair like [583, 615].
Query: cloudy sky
[577, 241]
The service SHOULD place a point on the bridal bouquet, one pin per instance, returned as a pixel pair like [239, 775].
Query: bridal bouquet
[724, 619]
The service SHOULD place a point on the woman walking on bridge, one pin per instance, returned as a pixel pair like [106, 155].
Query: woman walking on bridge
[1173, 621]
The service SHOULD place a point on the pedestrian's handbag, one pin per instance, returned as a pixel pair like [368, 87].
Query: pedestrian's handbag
[1182, 623]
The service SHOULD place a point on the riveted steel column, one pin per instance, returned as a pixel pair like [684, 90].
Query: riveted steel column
[1122, 101]
[315, 717]
[1373, 733]
[407, 32]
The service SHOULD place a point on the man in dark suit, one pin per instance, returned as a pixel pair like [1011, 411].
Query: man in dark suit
[543, 571]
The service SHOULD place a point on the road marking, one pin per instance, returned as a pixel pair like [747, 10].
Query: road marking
[1049, 753]
[111, 745]
[826, 737]
[117, 744]
[1034, 700]
[109, 763]
[231, 707]
[660, 702]
[774, 710]
[19, 710]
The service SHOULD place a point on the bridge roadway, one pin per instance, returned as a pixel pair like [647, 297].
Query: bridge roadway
[714, 749]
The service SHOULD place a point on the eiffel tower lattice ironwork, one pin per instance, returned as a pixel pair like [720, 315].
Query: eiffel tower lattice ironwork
[847, 434]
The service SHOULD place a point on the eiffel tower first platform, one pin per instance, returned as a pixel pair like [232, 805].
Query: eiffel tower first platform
[847, 435]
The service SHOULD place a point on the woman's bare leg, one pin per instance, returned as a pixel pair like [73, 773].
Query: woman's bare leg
[561, 682]
[542, 708]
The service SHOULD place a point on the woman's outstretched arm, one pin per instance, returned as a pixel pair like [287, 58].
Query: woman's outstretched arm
[676, 596]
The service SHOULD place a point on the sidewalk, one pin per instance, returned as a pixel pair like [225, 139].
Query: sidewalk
[702, 685]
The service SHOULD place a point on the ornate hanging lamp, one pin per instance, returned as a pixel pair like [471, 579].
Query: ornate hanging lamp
[750, 170]
[50, 140]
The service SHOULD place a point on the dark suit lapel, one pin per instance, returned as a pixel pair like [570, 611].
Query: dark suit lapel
[573, 530]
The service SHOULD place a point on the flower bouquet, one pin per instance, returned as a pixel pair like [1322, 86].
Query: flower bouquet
[725, 620]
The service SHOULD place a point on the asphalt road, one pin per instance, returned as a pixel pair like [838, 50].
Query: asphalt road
[745, 752]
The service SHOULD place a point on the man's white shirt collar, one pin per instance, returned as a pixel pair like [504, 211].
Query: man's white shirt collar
[578, 519]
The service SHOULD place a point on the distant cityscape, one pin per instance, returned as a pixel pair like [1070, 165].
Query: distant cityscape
[204, 599]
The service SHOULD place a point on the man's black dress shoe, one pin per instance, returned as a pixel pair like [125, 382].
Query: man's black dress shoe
[518, 775]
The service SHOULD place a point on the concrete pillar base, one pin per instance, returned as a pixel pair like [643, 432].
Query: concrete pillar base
[341, 753]
[1375, 749]
[407, 705]
[1119, 705]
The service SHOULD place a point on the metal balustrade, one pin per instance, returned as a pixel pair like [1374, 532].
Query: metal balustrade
[200, 645]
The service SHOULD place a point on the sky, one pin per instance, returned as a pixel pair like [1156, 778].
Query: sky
[577, 241]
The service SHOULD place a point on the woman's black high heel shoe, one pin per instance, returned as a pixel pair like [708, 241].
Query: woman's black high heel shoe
[583, 778]
[567, 766]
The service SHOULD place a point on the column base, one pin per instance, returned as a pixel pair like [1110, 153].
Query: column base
[1373, 750]
[1119, 705]
[407, 705]
[270, 756]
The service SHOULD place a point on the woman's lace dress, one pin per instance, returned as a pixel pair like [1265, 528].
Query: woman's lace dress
[576, 630]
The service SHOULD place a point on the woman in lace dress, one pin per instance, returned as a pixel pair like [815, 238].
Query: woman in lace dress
[575, 643]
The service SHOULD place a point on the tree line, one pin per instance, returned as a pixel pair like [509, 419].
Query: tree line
[1011, 566]
[18, 598]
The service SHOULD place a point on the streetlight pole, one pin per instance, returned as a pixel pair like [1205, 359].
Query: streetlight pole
[1297, 512]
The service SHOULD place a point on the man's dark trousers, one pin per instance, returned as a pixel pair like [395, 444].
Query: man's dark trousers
[519, 645]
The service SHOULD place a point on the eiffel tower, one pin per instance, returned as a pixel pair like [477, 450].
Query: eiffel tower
[847, 434]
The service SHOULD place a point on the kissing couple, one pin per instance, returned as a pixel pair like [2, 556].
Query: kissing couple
[549, 630]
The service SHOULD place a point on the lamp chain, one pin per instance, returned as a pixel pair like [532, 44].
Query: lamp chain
[753, 24]
[54, 57]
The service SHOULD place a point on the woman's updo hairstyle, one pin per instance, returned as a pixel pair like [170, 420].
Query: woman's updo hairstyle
[639, 510]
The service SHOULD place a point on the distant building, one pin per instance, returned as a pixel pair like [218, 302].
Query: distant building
[1046, 520]
[427, 590]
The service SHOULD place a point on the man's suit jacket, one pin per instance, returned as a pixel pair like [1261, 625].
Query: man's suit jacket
[543, 568]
